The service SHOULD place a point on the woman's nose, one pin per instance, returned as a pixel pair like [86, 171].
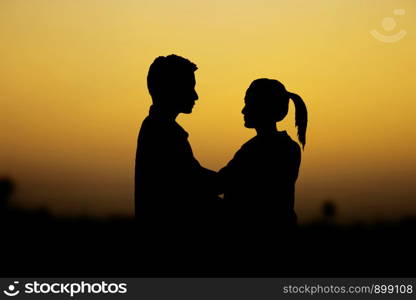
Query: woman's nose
[196, 96]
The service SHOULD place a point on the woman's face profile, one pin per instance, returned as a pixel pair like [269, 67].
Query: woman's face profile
[255, 112]
[266, 102]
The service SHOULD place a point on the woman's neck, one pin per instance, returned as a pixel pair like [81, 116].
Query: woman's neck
[266, 130]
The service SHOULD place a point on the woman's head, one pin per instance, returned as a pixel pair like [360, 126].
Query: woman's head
[267, 102]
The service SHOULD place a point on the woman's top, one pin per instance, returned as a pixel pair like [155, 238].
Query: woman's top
[259, 183]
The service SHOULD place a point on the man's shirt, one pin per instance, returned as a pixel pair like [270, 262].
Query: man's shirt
[171, 187]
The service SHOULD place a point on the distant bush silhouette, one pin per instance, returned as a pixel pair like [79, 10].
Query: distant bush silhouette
[329, 210]
[6, 190]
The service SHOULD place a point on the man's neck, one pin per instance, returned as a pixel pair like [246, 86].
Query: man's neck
[163, 113]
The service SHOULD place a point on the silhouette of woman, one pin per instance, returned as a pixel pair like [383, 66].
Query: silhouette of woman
[259, 182]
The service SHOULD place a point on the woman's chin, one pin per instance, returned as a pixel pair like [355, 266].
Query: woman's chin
[248, 125]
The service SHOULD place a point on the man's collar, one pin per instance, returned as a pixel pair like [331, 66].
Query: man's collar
[160, 114]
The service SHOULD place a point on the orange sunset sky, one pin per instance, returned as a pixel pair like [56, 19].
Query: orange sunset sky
[73, 94]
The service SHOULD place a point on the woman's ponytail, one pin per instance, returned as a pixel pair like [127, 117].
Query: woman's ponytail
[301, 117]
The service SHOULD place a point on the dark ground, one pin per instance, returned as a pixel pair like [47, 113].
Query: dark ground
[35, 244]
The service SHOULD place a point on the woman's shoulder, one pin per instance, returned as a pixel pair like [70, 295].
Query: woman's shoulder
[280, 140]
[286, 138]
[282, 146]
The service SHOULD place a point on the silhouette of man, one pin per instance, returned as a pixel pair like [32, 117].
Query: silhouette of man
[172, 190]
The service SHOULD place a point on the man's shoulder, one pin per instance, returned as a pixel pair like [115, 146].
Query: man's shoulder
[159, 128]
[150, 125]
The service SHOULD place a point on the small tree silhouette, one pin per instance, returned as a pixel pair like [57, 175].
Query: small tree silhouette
[6, 190]
[329, 210]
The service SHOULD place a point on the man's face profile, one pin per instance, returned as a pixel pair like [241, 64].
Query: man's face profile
[171, 83]
[184, 94]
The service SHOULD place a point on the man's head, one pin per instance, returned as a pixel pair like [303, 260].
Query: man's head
[171, 83]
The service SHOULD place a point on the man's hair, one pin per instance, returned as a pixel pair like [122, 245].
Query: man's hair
[165, 73]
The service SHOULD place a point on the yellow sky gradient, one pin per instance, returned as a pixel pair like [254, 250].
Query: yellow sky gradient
[73, 94]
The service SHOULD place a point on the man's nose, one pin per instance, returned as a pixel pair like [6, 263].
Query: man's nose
[196, 96]
[243, 111]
